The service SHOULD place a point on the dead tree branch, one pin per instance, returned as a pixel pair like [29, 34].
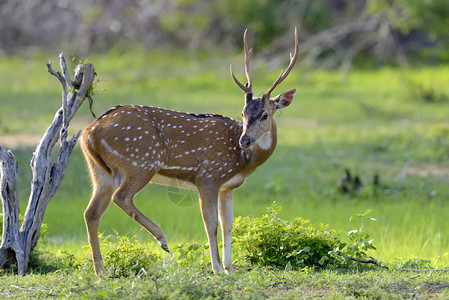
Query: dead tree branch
[17, 243]
[367, 261]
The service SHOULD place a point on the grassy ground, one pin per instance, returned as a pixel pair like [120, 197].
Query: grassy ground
[388, 122]
[243, 284]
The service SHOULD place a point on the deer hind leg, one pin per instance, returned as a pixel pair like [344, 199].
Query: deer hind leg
[226, 215]
[209, 211]
[124, 198]
[103, 187]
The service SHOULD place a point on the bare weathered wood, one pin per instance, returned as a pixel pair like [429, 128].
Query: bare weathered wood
[9, 195]
[17, 243]
[64, 70]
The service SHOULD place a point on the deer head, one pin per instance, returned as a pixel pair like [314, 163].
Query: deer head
[258, 112]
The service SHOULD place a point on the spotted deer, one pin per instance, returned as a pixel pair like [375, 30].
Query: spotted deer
[130, 146]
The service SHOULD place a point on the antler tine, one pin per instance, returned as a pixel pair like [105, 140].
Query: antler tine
[248, 87]
[283, 74]
[247, 54]
[244, 88]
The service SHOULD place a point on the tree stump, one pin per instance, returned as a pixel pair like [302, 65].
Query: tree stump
[18, 240]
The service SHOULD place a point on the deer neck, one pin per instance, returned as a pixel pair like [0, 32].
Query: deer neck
[262, 148]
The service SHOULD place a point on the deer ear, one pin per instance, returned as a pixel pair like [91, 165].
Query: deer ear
[284, 99]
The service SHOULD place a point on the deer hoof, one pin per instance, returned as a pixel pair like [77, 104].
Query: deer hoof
[165, 248]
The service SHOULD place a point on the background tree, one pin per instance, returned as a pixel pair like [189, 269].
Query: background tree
[333, 33]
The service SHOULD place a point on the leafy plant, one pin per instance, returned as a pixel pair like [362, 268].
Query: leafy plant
[124, 257]
[267, 240]
[43, 262]
[416, 264]
[194, 254]
[270, 241]
[360, 241]
[354, 250]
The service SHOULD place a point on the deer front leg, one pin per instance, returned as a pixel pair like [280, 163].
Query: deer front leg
[226, 215]
[209, 211]
[124, 198]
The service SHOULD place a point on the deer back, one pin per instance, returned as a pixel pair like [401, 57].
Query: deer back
[192, 148]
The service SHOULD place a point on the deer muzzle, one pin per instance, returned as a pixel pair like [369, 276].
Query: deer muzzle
[245, 141]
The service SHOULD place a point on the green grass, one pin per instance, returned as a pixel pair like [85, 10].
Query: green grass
[243, 284]
[371, 121]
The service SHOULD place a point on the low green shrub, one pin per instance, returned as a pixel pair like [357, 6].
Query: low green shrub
[270, 241]
[125, 257]
[415, 264]
[358, 241]
[44, 262]
[193, 254]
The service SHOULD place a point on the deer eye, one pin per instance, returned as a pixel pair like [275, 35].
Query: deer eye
[264, 116]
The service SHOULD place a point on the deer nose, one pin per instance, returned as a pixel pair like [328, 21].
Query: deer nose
[245, 141]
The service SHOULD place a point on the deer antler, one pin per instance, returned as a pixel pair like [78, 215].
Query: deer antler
[248, 87]
[283, 74]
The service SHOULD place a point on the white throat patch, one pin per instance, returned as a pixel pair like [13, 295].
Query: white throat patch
[265, 141]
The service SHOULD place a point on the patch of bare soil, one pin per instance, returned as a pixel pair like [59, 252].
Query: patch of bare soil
[16, 141]
[19, 141]
[429, 170]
